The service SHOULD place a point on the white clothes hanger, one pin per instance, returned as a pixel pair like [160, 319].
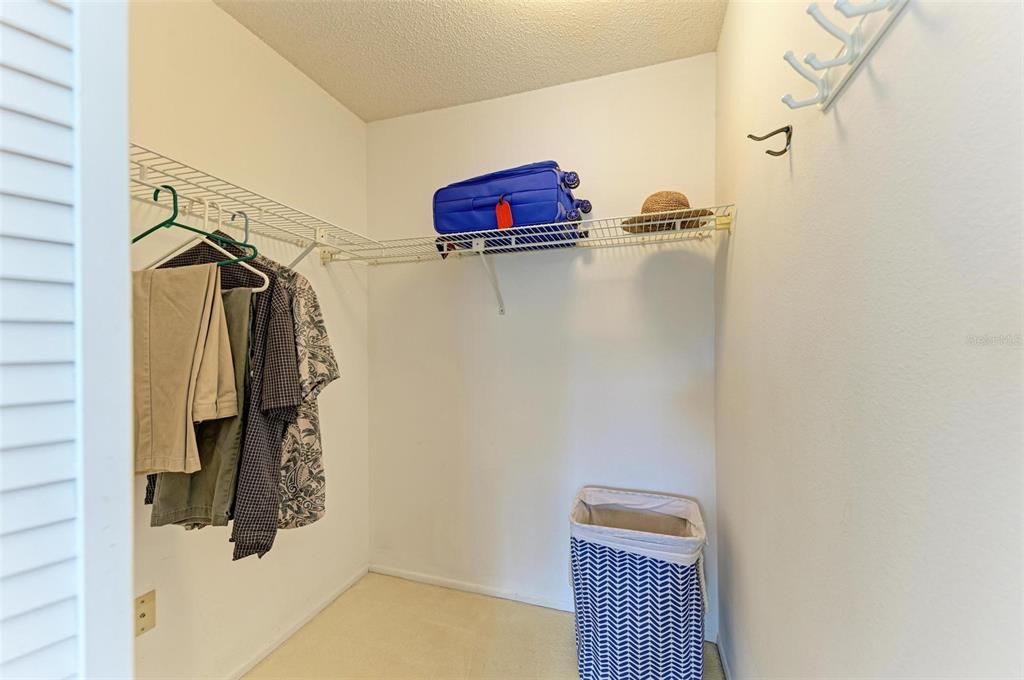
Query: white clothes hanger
[216, 246]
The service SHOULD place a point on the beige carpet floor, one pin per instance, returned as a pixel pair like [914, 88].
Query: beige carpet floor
[392, 629]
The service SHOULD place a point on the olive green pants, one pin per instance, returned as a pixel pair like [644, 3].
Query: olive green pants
[205, 497]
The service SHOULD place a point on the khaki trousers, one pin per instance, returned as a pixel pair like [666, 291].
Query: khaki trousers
[182, 360]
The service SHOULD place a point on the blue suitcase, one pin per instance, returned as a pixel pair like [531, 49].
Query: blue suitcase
[538, 193]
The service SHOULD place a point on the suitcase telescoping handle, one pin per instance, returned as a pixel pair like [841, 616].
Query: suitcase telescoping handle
[503, 211]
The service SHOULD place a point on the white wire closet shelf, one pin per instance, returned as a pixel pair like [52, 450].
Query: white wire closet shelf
[202, 194]
[606, 232]
[205, 196]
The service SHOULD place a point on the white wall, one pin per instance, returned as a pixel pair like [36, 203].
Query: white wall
[483, 427]
[869, 455]
[207, 92]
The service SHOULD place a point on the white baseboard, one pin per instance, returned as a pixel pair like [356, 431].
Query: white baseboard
[294, 628]
[550, 603]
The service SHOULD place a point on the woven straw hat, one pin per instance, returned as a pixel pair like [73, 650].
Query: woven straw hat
[668, 205]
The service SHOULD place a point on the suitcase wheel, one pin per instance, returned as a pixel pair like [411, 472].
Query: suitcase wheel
[584, 206]
[573, 215]
[571, 179]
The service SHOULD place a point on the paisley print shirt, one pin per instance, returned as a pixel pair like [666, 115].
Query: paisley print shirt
[303, 485]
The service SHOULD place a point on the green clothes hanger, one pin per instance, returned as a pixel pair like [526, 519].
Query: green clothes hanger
[216, 238]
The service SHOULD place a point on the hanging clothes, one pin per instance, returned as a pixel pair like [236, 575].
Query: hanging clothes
[204, 498]
[182, 364]
[303, 485]
[274, 394]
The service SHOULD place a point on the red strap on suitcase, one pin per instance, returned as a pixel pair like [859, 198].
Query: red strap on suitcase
[503, 211]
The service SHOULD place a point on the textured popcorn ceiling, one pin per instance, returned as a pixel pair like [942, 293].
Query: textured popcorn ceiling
[388, 58]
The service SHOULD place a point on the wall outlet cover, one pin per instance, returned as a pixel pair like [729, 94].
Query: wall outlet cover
[145, 613]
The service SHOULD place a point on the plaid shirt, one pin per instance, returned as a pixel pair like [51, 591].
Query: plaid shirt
[274, 386]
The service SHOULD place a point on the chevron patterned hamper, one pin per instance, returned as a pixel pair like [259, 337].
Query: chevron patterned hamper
[638, 585]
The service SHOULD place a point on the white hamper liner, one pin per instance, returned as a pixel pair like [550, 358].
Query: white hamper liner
[625, 543]
[667, 528]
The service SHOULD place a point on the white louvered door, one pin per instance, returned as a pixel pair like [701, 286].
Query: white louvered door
[45, 536]
[38, 468]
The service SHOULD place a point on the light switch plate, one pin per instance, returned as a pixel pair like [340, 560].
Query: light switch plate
[145, 612]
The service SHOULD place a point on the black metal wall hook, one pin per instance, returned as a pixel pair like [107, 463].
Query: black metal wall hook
[788, 129]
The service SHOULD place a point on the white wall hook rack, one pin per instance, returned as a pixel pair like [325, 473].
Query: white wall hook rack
[851, 10]
[852, 54]
[849, 51]
[820, 84]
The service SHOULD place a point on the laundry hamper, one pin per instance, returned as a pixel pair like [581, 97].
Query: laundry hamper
[638, 585]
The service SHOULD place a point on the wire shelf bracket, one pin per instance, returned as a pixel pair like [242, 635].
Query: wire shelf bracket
[485, 259]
